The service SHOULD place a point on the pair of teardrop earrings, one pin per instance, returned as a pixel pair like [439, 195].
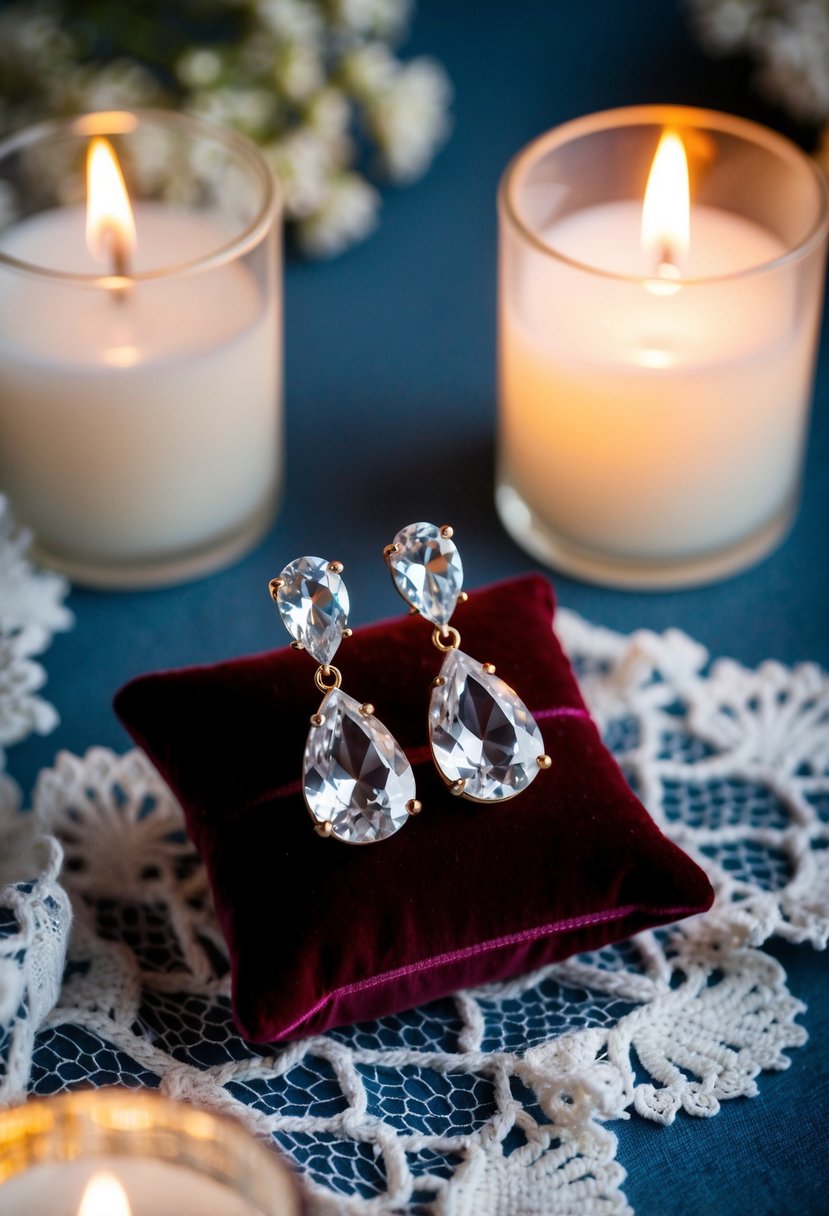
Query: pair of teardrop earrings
[358, 784]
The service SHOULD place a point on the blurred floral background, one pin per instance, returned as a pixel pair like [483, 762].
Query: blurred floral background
[323, 85]
[318, 84]
[788, 41]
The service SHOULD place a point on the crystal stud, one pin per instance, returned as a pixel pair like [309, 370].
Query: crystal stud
[313, 603]
[485, 742]
[427, 570]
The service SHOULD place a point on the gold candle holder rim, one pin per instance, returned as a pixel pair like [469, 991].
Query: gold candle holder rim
[135, 1124]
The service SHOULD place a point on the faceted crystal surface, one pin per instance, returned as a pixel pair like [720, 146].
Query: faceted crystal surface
[313, 604]
[355, 773]
[481, 732]
[427, 571]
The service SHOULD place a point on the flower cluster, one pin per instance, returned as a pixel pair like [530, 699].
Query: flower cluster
[789, 39]
[316, 83]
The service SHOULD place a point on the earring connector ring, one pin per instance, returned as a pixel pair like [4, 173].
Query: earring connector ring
[446, 638]
[327, 677]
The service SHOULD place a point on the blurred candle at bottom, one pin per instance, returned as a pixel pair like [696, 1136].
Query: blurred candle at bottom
[119, 1187]
[125, 1152]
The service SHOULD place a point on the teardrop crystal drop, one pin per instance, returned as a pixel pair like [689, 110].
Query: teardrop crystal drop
[427, 571]
[313, 603]
[481, 732]
[355, 774]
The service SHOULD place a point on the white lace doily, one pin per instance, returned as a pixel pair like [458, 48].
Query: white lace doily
[35, 913]
[497, 1100]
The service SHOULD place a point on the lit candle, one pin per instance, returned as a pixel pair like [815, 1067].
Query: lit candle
[139, 359]
[110, 1186]
[104, 1196]
[656, 353]
[119, 1152]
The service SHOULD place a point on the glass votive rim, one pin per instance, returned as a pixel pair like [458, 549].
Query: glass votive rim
[570, 344]
[661, 117]
[126, 122]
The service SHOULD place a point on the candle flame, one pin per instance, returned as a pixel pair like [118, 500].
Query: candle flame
[104, 1196]
[110, 226]
[666, 214]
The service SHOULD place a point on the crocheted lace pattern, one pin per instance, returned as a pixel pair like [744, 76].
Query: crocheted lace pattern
[496, 1100]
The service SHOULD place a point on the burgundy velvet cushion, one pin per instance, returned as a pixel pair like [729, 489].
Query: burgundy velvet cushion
[322, 933]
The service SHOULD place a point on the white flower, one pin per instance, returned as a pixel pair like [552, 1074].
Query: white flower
[298, 70]
[294, 20]
[329, 113]
[380, 18]
[369, 70]
[117, 85]
[303, 163]
[199, 68]
[38, 36]
[299, 77]
[247, 109]
[258, 52]
[797, 68]
[788, 38]
[411, 120]
[348, 214]
[724, 25]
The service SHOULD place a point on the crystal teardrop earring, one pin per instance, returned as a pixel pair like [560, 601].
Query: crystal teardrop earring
[358, 785]
[485, 742]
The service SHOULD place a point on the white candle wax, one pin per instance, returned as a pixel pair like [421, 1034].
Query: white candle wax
[153, 1188]
[142, 426]
[644, 424]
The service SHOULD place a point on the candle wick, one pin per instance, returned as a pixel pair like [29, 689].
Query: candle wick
[117, 251]
[666, 262]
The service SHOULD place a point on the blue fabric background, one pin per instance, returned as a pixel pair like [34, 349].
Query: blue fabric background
[390, 413]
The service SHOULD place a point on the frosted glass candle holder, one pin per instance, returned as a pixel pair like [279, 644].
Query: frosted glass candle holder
[140, 415]
[167, 1158]
[653, 407]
